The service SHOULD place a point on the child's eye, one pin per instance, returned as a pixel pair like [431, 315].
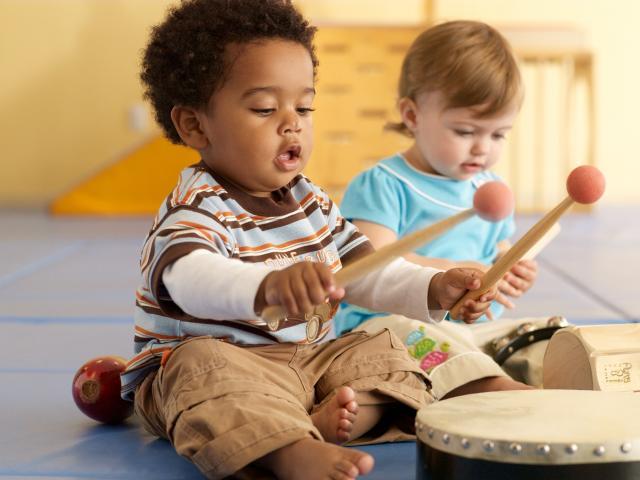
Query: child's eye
[464, 133]
[263, 111]
[305, 110]
[499, 136]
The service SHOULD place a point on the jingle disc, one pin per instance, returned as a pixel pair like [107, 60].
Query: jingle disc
[313, 328]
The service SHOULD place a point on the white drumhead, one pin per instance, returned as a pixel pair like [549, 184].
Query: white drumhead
[536, 426]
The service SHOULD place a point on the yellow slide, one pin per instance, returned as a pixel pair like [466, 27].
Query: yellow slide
[134, 185]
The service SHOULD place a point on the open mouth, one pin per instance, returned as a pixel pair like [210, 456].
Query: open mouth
[289, 159]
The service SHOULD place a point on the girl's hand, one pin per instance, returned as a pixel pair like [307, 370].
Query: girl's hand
[519, 279]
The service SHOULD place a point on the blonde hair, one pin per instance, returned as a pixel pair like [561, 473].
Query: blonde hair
[470, 62]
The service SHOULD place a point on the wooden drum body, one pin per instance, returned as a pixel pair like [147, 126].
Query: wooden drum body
[531, 434]
[597, 357]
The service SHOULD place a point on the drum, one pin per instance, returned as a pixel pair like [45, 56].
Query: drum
[521, 351]
[531, 434]
[524, 335]
[597, 357]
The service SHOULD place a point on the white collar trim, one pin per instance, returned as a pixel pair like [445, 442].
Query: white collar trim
[407, 182]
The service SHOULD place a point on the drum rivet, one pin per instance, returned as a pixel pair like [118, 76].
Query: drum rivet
[543, 449]
[430, 433]
[573, 448]
[557, 322]
[446, 438]
[531, 338]
[525, 328]
[465, 443]
[625, 447]
[488, 445]
[515, 448]
[599, 451]
[510, 349]
[500, 343]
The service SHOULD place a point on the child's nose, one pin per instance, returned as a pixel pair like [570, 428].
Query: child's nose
[480, 146]
[290, 123]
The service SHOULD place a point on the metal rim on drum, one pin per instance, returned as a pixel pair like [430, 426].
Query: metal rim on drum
[462, 426]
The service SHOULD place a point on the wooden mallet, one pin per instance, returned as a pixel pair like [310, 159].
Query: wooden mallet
[493, 201]
[585, 184]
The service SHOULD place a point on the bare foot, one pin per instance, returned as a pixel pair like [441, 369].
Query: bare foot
[336, 417]
[316, 460]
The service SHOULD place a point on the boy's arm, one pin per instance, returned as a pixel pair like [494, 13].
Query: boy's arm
[399, 287]
[418, 292]
[208, 285]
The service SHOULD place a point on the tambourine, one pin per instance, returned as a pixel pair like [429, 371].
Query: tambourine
[595, 357]
[531, 435]
[526, 334]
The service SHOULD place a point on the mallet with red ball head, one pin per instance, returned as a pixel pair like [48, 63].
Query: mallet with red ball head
[585, 184]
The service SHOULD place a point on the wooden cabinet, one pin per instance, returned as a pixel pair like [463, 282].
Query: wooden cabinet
[357, 82]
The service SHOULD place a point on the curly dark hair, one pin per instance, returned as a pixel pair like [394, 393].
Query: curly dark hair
[184, 61]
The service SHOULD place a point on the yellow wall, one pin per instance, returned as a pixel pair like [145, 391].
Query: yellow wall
[69, 78]
[365, 11]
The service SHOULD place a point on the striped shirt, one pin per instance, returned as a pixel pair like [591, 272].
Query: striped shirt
[299, 222]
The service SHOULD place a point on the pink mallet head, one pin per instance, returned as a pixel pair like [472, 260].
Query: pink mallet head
[585, 184]
[493, 201]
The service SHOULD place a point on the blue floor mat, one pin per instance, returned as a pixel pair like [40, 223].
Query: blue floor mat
[66, 295]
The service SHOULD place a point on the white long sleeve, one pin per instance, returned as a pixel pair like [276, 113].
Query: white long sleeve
[400, 287]
[207, 285]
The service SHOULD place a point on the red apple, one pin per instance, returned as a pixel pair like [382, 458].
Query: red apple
[96, 390]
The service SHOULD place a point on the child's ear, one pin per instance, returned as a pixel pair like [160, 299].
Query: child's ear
[187, 123]
[409, 112]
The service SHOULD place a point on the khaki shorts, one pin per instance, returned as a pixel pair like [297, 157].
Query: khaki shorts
[224, 406]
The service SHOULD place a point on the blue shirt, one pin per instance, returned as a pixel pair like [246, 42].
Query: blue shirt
[403, 199]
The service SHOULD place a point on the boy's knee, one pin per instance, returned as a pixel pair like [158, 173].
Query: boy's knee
[192, 358]
[372, 360]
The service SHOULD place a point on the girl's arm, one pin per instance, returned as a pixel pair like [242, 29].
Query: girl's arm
[379, 236]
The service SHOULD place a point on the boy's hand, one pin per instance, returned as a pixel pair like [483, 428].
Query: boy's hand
[298, 288]
[519, 279]
[447, 287]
